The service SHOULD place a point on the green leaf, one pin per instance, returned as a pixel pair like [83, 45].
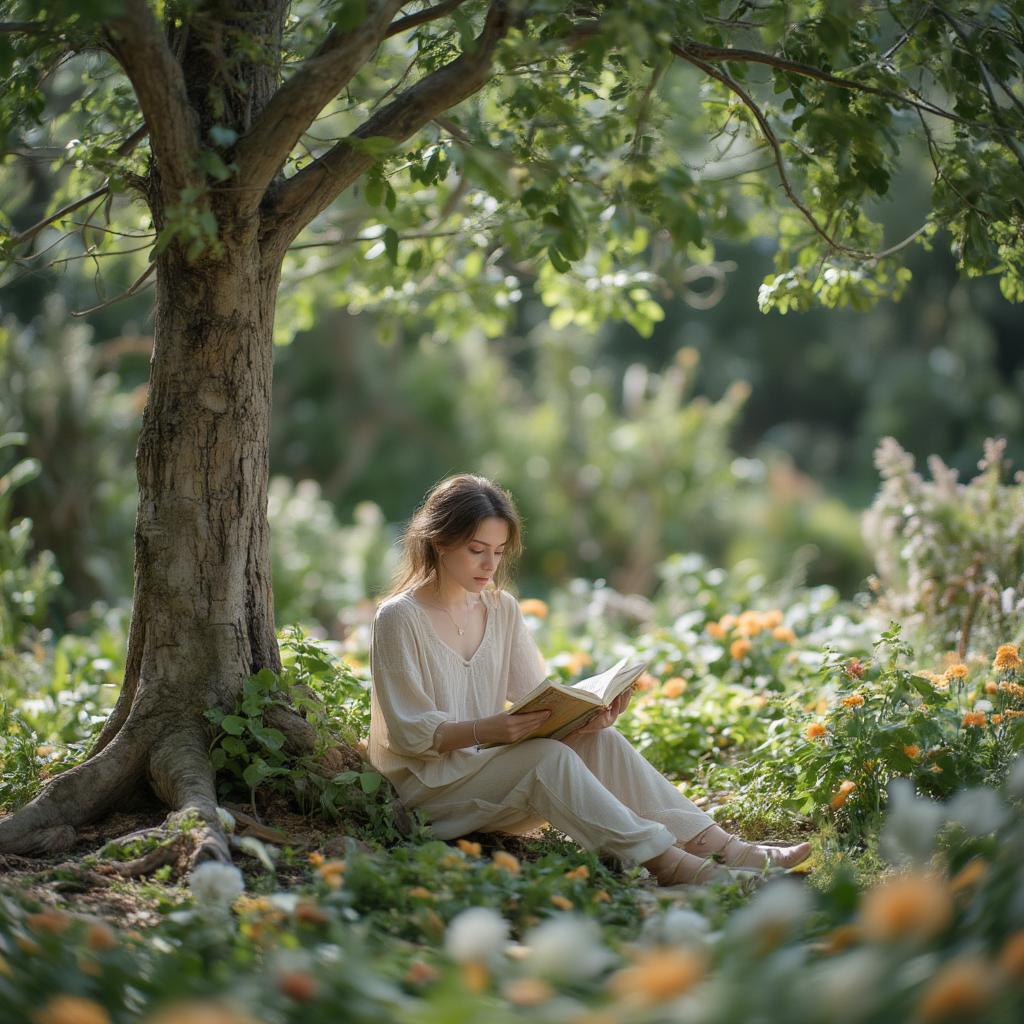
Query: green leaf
[391, 245]
[233, 724]
[370, 782]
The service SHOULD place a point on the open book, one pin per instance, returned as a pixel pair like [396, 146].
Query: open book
[574, 706]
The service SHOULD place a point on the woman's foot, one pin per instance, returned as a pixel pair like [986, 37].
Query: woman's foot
[735, 853]
[677, 867]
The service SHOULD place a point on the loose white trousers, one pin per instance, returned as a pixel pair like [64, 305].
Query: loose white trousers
[599, 790]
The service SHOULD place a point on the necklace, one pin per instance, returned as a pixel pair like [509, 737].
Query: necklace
[460, 629]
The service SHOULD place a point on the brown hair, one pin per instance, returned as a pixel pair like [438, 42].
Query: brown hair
[448, 517]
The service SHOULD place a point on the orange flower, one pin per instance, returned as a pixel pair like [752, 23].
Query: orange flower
[562, 903]
[772, 619]
[659, 974]
[996, 719]
[739, 649]
[194, 1012]
[749, 623]
[420, 973]
[64, 1009]
[840, 938]
[727, 622]
[674, 687]
[975, 718]
[1011, 957]
[958, 670]
[331, 872]
[469, 848]
[962, 988]
[846, 787]
[911, 906]
[417, 892]
[912, 750]
[602, 896]
[1007, 658]
[299, 986]
[581, 872]
[991, 686]
[535, 607]
[785, 634]
[100, 936]
[475, 976]
[815, 731]
[578, 661]
[855, 700]
[506, 862]
[527, 991]
[310, 913]
[316, 859]
[50, 920]
[645, 681]
[715, 630]
[969, 875]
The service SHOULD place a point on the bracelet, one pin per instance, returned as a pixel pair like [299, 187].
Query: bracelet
[476, 739]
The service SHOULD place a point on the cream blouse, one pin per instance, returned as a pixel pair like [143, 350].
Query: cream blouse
[419, 682]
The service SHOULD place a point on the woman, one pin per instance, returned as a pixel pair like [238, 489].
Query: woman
[449, 647]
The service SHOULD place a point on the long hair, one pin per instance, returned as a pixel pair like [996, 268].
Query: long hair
[448, 517]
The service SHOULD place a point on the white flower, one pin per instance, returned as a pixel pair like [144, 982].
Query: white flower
[980, 811]
[567, 947]
[475, 934]
[779, 907]
[678, 926]
[848, 986]
[910, 825]
[215, 886]
[1015, 779]
[983, 705]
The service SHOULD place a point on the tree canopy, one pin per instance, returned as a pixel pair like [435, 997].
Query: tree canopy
[435, 160]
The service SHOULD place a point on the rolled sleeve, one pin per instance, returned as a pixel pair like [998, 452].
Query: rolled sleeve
[410, 714]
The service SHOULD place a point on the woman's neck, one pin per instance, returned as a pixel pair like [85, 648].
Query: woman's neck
[448, 594]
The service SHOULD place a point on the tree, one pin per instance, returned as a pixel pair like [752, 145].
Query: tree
[449, 155]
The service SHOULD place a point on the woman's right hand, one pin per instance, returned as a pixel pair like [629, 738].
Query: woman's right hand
[506, 728]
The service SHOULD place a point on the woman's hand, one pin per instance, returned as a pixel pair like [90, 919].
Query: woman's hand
[506, 728]
[605, 718]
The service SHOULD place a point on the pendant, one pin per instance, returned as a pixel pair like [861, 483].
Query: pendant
[461, 631]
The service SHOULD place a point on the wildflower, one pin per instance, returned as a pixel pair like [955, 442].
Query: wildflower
[506, 862]
[969, 875]
[1007, 658]
[527, 991]
[957, 671]
[739, 649]
[840, 938]
[854, 700]
[772, 619]
[420, 973]
[44, 751]
[715, 630]
[316, 859]
[65, 1009]
[645, 681]
[991, 686]
[535, 607]
[912, 750]
[1011, 957]
[566, 947]
[1013, 714]
[100, 937]
[578, 661]
[475, 976]
[846, 787]
[299, 986]
[50, 920]
[215, 887]
[310, 913]
[475, 934]
[784, 634]
[854, 668]
[659, 974]
[469, 848]
[194, 1012]
[996, 719]
[561, 902]
[749, 623]
[963, 987]
[417, 892]
[579, 872]
[915, 906]
[815, 731]
[674, 687]
[602, 896]
[1015, 690]
[975, 718]
[331, 871]
[772, 915]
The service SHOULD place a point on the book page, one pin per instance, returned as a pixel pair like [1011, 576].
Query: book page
[610, 683]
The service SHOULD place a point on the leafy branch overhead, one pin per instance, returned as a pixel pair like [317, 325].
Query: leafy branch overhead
[436, 159]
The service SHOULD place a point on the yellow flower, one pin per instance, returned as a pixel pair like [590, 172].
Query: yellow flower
[535, 607]
[846, 787]
[912, 906]
[958, 670]
[674, 687]
[772, 619]
[65, 1009]
[1015, 690]
[975, 718]
[912, 750]
[475, 976]
[815, 731]
[1011, 957]
[331, 872]
[855, 700]
[602, 896]
[316, 859]
[44, 751]
[964, 987]
[659, 974]
[715, 630]
[727, 622]
[1007, 658]
[739, 649]
[506, 862]
[580, 872]
[527, 991]
[996, 719]
[562, 903]
[991, 686]
[785, 634]
[469, 848]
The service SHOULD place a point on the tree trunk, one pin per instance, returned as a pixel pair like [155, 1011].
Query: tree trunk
[202, 617]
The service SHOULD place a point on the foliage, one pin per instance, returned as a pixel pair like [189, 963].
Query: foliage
[949, 555]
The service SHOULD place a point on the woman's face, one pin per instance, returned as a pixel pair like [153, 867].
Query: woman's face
[473, 563]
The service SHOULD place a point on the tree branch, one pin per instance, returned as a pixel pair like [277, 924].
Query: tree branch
[316, 186]
[138, 43]
[262, 151]
[421, 17]
[131, 290]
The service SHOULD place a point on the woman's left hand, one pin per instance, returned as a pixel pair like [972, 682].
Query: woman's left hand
[605, 718]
